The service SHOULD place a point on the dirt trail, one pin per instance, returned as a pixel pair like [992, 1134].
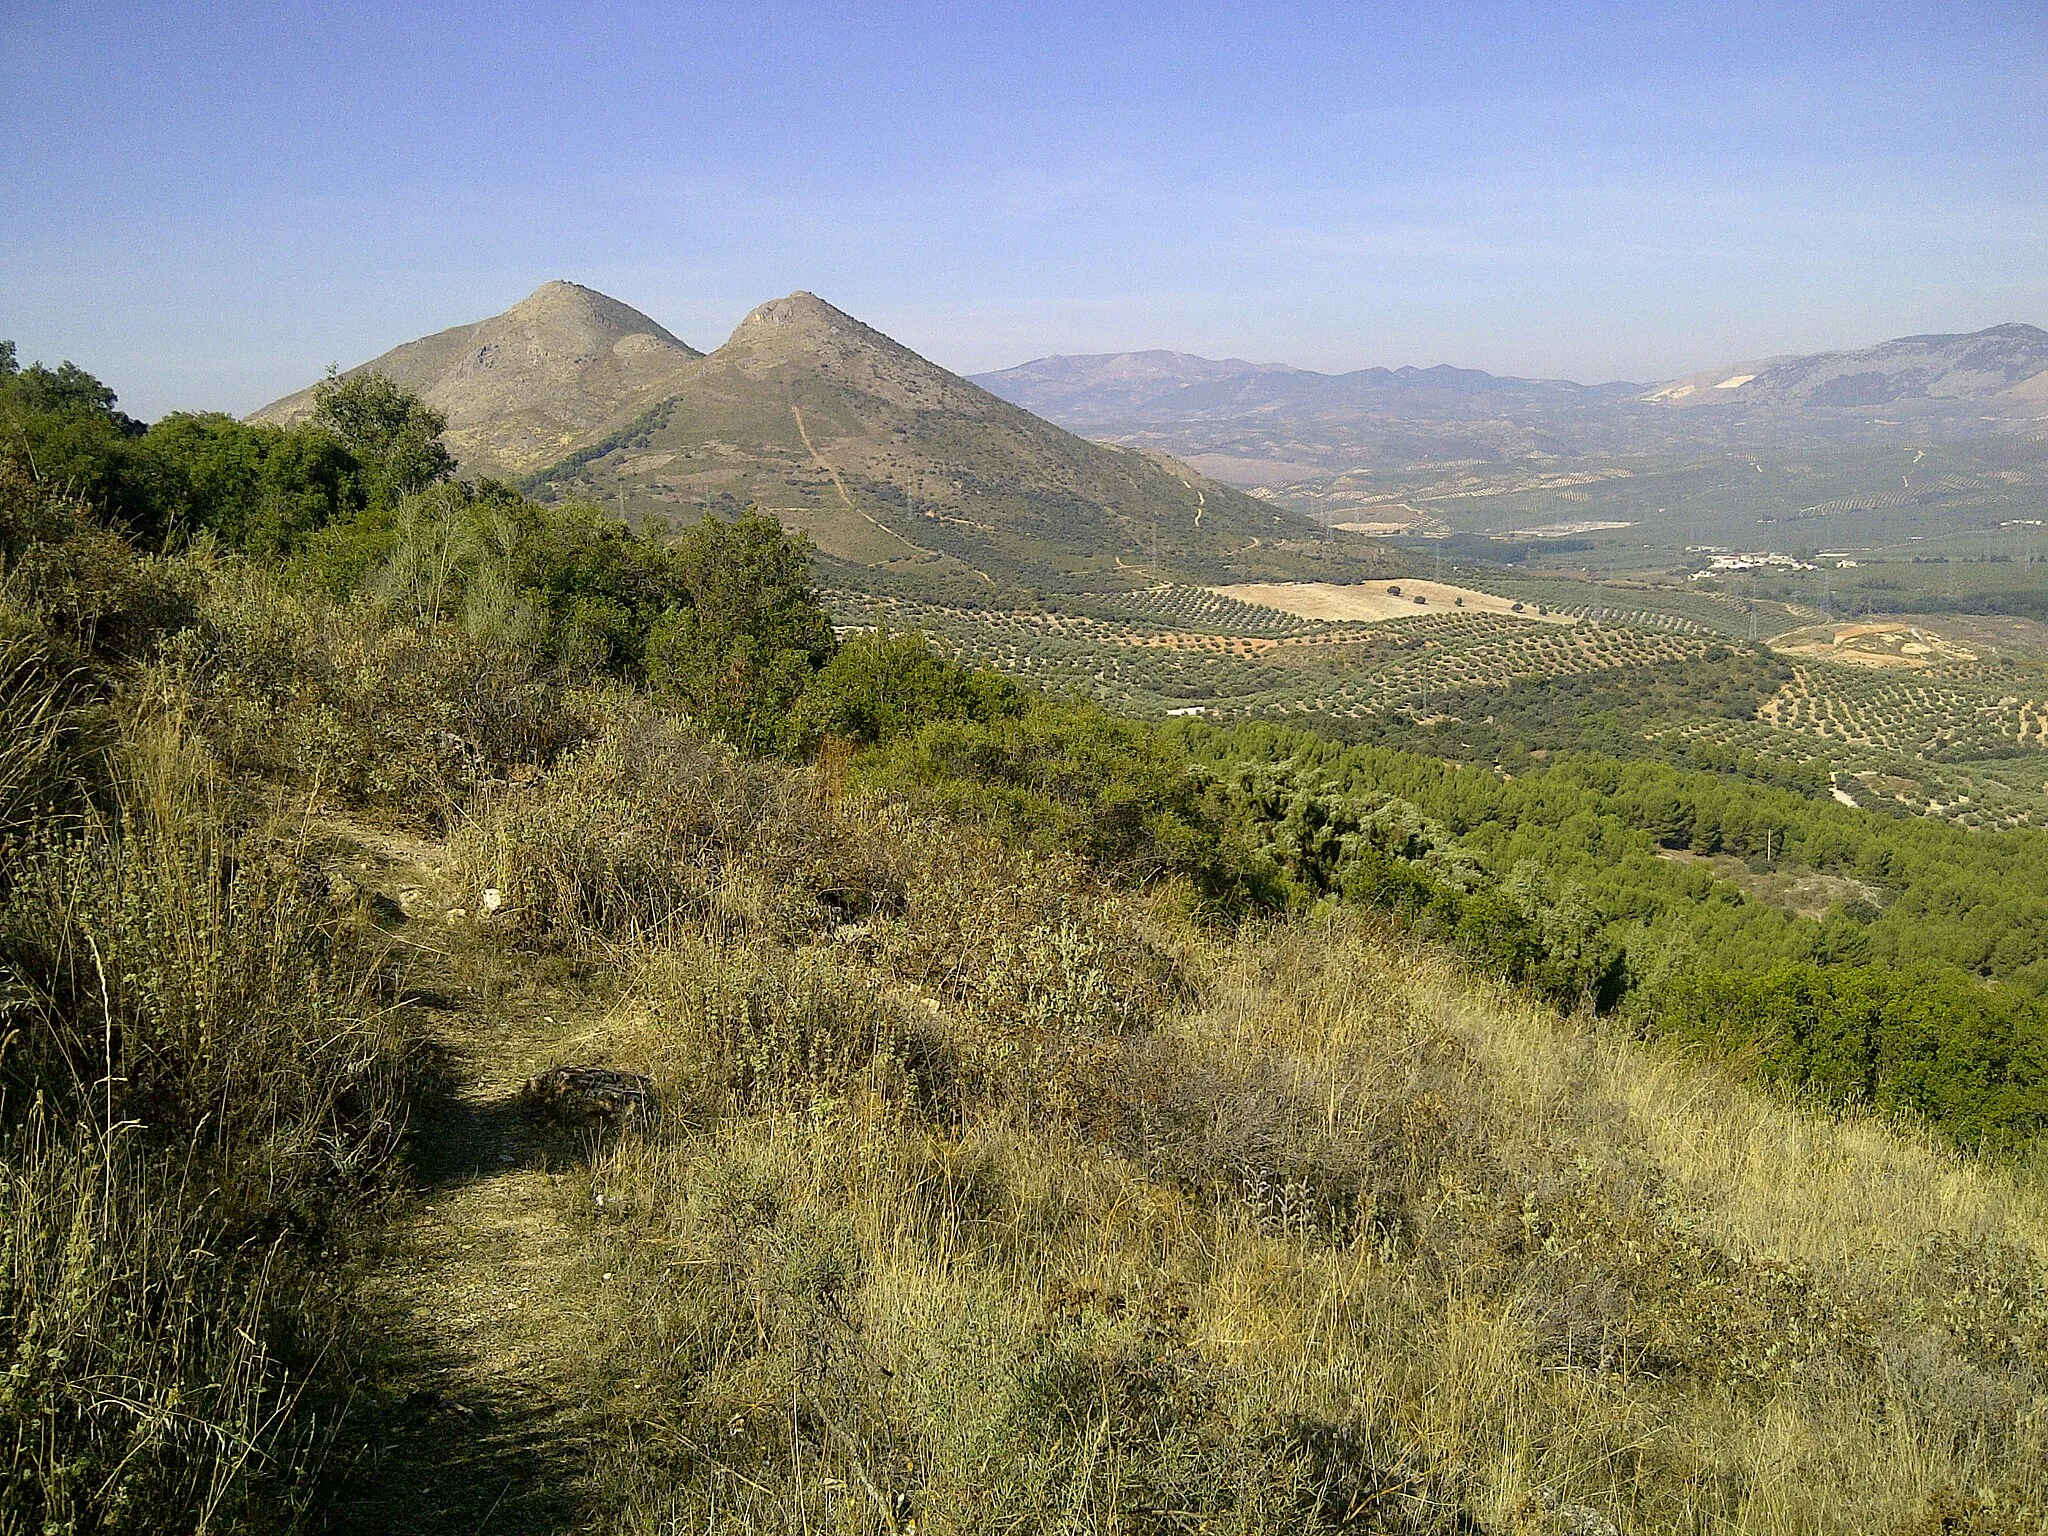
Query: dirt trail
[797, 415]
[480, 1416]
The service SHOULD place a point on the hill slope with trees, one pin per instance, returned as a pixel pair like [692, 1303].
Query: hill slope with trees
[513, 1025]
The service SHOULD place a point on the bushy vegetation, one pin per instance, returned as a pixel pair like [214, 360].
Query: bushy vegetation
[1061, 1121]
[1121, 1257]
[200, 1091]
[1920, 1042]
[1941, 894]
[986, 1195]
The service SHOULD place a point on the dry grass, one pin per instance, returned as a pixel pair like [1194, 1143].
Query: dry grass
[1840, 1192]
[199, 1093]
[1321, 1236]
[983, 1197]
[356, 703]
[650, 829]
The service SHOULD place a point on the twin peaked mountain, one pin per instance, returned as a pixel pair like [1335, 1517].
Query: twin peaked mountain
[885, 459]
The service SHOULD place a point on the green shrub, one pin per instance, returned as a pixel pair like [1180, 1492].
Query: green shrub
[1070, 777]
[1918, 1041]
[59, 429]
[392, 433]
[737, 650]
[260, 489]
[63, 572]
[878, 687]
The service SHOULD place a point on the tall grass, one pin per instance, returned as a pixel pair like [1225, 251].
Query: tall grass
[1016, 1205]
[47, 762]
[199, 1090]
[649, 829]
[358, 703]
[984, 1196]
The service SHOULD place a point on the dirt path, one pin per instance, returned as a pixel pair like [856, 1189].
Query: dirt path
[479, 1416]
[797, 415]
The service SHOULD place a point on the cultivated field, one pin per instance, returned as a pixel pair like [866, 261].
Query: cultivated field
[1343, 670]
[1903, 715]
[1371, 602]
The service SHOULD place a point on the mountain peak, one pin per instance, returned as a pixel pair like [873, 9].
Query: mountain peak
[800, 308]
[1934, 372]
[520, 388]
[558, 290]
[595, 315]
[804, 333]
[2011, 330]
[803, 319]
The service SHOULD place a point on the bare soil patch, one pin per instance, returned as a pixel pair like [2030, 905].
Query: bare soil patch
[1372, 602]
[1789, 888]
[1887, 643]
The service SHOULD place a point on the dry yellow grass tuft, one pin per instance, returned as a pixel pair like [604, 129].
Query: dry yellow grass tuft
[1839, 1191]
[1323, 1236]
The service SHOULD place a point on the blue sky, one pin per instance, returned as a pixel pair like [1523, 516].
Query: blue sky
[210, 203]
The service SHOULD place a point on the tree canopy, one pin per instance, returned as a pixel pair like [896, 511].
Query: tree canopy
[394, 435]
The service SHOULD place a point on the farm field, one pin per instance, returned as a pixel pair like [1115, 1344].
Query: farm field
[1895, 715]
[1965, 740]
[1372, 602]
[1681, 608]
[1347, 671]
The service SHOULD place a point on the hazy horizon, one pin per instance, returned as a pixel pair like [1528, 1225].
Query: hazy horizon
[224, 205]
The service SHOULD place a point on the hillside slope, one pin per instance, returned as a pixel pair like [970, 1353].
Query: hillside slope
[884, 458]
[1344, 1238]
[452, 1088]
[887, 459]
[520, 389]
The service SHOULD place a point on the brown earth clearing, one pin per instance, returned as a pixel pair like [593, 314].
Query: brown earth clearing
[1370, 602]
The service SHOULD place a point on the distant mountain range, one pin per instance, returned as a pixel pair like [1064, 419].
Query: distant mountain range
[1265, 424]
[890, 462]
[1119, 388]
[2005, 367]
[884, 458]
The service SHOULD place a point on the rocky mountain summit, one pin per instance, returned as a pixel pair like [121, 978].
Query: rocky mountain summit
[523, 388]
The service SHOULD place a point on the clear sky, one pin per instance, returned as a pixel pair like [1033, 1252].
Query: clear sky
[206, 204]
